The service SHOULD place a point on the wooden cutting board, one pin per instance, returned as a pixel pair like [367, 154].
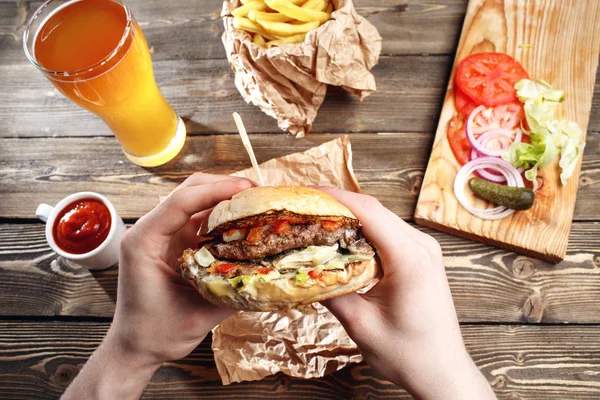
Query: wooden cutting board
[562, 43]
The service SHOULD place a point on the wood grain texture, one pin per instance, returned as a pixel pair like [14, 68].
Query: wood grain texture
[203, 92]
[408, 99]
[40, 366]
[501, 25]
[183, 29]
[39, 360]
[488, 285]
[57, 167]
[388, 166]
[191, 71]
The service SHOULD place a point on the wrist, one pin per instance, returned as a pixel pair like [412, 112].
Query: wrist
[446, 375]
[456, 377]
[127, 359]
[112, 372]
[128, 373]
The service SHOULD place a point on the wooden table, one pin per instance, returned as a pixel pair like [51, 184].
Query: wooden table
[533, 328]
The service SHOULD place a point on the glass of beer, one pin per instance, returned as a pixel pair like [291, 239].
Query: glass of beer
[94, 52]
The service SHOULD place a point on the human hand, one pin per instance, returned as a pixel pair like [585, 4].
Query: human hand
[406, 326]
[159, 315]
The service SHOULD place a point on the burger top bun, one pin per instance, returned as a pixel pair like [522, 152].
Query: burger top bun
[297, 199]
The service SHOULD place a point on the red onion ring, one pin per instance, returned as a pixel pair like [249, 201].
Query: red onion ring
[478, 143]
[490, 175]
[469, 125]
[486, 137]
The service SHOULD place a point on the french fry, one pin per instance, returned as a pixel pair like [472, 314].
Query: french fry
[243, 11]
[298, 3]
[255, 15]
[285, 29]
[291, 39]
[259, 40]
[299, 13]
[329, 9]
[319, 5]
[246, 1]
[245, 24]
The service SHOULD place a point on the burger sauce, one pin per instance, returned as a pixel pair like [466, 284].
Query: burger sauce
[81, 226]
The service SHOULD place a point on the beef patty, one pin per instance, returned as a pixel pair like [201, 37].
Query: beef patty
[272, 243]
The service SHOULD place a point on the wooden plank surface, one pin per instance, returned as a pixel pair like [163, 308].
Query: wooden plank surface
[183, 29]
[192, 73]
[501, 26]
[39, 163]
[388, 166]
[204, 94]
[488, 285]
[38, 360]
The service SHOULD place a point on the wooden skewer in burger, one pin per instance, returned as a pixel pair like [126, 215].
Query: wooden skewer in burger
[279, 247]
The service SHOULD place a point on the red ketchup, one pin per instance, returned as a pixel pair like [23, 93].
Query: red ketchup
[81, 226]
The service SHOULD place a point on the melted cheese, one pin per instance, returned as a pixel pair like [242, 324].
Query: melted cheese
[250, 287]
[220, 288]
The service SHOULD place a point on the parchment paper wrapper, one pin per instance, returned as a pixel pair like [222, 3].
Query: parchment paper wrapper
[309, 343]
[289, 82]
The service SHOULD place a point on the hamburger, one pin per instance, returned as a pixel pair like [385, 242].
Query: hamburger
[271, 248]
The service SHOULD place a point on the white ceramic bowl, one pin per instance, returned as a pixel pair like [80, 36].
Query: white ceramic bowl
[103, 256]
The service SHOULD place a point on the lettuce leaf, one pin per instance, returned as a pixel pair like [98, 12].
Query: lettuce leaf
[550, 137]
[569, 155]
[528, 89]
[301, 278]
[312, 255]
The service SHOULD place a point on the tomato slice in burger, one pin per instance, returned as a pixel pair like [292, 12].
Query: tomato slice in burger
[255, 234]
[457, 138]
[331, 226]
[489, 78]
[225, 268]
[282, 227]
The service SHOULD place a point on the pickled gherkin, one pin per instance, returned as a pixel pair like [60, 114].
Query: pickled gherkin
[515, 198]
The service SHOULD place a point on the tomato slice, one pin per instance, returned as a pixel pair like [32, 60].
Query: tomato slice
[464, 105]
[313, 274]
[489, 78]
[330, 226]
[457, 138]
[282, 226]
[505, 116]
[255, 234]
[225, 268]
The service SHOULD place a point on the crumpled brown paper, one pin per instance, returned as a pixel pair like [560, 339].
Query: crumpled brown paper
[309, 343]
[289, 82]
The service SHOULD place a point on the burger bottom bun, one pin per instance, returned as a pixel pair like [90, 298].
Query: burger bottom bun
[284, 294]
